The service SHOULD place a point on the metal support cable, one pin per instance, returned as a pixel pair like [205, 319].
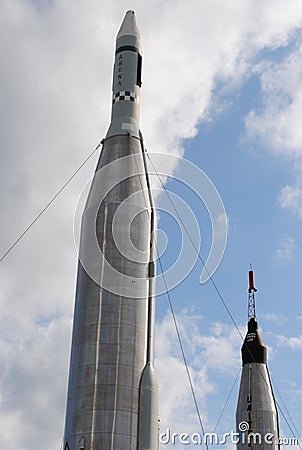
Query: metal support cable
[217, 290]
[183, 353]
[227, 400]
[286, 409]
[13, 245]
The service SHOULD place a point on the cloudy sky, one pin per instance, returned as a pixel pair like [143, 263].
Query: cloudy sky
[222, 87]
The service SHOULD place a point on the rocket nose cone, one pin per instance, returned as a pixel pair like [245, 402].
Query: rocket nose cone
[129, 26]
[253, 348]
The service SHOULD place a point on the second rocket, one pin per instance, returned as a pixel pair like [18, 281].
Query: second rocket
[256, 415]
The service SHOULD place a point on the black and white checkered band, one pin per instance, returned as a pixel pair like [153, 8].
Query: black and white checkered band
[124, 95]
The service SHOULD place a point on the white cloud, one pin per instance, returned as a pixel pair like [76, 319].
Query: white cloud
[216, 351]
[286, 251]
[176, 406]
[220, 348]
[273, 317]
[291, 198]
[294, 343]
[277, 123]
[55, 80]
[32, 390]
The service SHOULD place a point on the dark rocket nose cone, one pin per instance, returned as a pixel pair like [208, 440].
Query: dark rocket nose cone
[253, 348]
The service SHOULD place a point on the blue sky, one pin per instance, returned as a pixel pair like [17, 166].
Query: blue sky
[261, 232]
[221, 88]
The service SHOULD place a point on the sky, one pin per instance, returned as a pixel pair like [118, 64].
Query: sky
[222, 88]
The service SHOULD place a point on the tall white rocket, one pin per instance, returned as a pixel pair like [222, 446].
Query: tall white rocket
[112, 399]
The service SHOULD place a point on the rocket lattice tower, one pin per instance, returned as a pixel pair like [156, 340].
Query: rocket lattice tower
[256, 415]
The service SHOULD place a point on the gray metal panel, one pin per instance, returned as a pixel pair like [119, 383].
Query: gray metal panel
[110, 330]
[256, 406]
[104, 439]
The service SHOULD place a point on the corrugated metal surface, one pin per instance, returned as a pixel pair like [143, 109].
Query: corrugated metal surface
[256, 407]
[109, 334]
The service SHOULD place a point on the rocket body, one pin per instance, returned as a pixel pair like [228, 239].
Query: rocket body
[111, 366]
[256, 415]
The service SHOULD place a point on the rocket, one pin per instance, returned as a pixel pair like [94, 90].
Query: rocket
[112, 400]
[256, 415]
